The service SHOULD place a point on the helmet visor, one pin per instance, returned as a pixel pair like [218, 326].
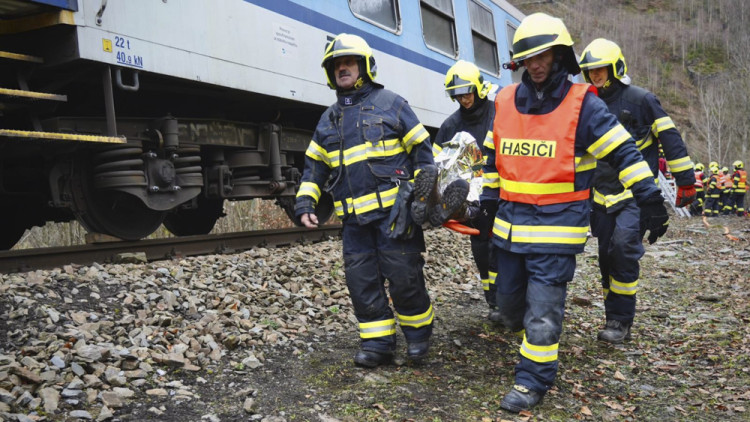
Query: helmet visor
[460, 90]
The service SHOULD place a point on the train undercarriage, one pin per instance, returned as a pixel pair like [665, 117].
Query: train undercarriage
[67, 151]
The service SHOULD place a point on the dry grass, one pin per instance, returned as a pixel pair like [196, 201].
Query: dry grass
[250, 215]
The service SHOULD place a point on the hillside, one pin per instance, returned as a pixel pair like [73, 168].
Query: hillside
[693, 54]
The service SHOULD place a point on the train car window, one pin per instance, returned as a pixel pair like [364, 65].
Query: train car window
[382, 13]
[511, 31]
[483, 37]
[439, 26]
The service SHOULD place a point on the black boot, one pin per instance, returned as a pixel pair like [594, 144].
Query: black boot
[418, 350]
[452, 204]
[495, 316]
[615, 332]
[426, 194]
[371, 359]
[520, 398]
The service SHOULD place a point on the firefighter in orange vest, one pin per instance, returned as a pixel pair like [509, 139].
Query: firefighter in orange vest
[713, 192]
[696, 208]
[725, 197]
[547, 136]
[739, 187]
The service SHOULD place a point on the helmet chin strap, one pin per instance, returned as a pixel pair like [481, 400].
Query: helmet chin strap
[359, 83]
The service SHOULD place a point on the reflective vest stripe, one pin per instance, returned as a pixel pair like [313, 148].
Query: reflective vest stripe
[699, 181]
[385, 148]
[501, 228]
[621, 288]
[377, 328]
[550, 234]
[540, 354]
[417, 321]
[310, 189]
[742, 182]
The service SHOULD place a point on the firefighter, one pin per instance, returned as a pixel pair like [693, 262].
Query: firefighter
[464, 83]
[547, 135]
[615, 220]
[367, 161]
[725, 197]
[713, 192]
[739, 187]
[696, 208]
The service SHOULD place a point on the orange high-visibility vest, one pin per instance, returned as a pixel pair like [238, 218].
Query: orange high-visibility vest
[535, 154]
[699, 180]
[742, 184]
[726, 181]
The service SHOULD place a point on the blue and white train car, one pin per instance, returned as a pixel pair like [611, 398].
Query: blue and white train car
[126, 114]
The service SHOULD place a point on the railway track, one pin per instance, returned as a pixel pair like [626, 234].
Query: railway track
[156, 249]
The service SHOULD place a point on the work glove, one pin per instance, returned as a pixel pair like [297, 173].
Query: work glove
[486, 218]
[685, 195]
[400, 223]
[654, 218]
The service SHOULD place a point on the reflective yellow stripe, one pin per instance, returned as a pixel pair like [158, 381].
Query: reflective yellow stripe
[377, 328]
[662, 124]
[611, 140]
[622, 288]
[417, 321]
[585, 163]
[610, 200]
[415, 136]
[31, 134]
[310, 189]
[541, 354]
[535, 188]
[634, 174]
[680, 164]
[501, 228]
[355, 154]
[384, 148]
[490, 280]
[491, 180]
[568, 235]
[317, 153]
[436, 150]
[645, 142]
[367, 203]
[489, 143]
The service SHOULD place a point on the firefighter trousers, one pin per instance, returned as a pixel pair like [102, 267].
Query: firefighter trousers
[620, 249]
[711, 209]
[480, 250]
[737, 203]
[531, 298]
[371, 258]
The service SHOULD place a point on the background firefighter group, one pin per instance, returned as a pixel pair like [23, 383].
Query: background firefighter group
[720, 192]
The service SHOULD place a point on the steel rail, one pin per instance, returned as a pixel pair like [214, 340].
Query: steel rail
[156, 249]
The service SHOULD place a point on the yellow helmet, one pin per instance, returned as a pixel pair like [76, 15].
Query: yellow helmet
[725, 169]
[604, 53]
[713, 164]
[738, 165]
[538, 33]
[700, 167]
[349, 45]
[464, 77]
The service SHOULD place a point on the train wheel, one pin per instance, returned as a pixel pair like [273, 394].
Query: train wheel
[324, 210]
[194, 221]
[12, 227]
[111, 212]
[120, 215]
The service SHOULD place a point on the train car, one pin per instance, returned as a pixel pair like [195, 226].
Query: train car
[129, 114]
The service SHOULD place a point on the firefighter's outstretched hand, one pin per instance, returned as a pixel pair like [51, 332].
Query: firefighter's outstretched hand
[654, 218]
[685, 195]
[309, 220]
